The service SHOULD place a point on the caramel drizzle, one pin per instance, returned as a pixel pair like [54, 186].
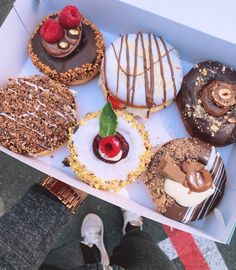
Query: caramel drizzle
[118, 60]
[148, 94]
[149, 83]
[141, 73]
[127, 69]
[135, 67]
[104, 72]
[151, 90]
[170, 65]
[161, 69]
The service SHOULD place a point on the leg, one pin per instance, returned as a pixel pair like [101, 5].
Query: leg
[137, 250]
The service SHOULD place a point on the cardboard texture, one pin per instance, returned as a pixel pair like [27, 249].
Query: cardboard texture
[193, 45]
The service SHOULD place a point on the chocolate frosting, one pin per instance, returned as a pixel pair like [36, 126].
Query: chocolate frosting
[70, 43]
[219, 130]
[85, 53]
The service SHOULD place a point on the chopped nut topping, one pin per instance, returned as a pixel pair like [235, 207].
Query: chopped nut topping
[204, 72]
[214, 128]
[232, 120]
[35, 121]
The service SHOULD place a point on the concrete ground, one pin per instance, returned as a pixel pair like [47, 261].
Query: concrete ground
[16, 178]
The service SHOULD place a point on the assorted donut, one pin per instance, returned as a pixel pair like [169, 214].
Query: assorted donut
[186, 179]
[207, 103]
[140, 74]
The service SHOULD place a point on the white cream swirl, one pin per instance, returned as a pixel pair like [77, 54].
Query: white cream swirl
[115, 158]
[184, 196]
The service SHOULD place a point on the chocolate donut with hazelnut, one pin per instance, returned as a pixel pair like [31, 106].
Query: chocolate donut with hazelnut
[207, 103]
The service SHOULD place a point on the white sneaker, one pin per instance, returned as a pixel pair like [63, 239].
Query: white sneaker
[92, 230]
[131, 218]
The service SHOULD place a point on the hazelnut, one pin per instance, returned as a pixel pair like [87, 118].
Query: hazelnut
[225, 93]
[63, 44]
[73, 33]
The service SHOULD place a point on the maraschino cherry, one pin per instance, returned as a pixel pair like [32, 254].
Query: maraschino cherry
[110, 146]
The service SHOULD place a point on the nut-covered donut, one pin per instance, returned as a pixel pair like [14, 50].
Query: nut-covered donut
[186, 179]
[207, 103]
[35, 115]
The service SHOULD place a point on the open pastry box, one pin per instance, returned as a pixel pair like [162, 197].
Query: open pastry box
[116, 17]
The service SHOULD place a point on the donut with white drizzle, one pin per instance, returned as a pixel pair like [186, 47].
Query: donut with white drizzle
[141, 72]
[35, 115]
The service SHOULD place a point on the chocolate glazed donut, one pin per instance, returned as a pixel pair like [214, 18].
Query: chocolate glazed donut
[178, 152]
[201, 102]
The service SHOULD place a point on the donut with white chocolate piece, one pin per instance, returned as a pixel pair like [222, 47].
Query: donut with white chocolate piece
[141, 73]
[35, 115]
[207, 103]
[186, 179]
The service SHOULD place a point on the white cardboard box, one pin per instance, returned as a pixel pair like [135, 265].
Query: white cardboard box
[195, 41]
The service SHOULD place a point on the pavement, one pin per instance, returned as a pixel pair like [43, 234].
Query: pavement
[16, 178]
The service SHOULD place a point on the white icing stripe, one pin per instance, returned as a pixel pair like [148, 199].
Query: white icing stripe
[26, 113]
[212, 161]
[217, 180]
[15, 119]
[213, 199]
[52, 93]
[72, 111]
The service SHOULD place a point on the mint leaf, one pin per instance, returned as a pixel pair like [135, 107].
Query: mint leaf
[107, 121]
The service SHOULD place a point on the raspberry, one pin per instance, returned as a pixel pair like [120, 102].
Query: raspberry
[110, 146]
[116, 104]
[51, 31]
[69, 17]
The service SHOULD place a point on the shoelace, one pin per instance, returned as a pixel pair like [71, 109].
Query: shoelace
[132, 219]
[93, 236]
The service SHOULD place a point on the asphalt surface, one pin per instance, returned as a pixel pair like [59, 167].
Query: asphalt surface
[16, 178]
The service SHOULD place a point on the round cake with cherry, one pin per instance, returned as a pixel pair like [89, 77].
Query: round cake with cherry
[109, 149]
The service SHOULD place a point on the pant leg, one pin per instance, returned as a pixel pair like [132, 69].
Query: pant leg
[138, 251]
[91, 255]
